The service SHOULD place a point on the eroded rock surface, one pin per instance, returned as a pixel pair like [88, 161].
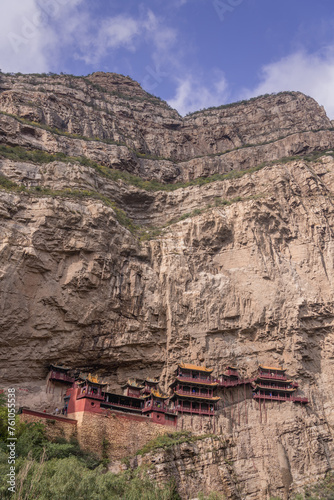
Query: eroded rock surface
[236, 271]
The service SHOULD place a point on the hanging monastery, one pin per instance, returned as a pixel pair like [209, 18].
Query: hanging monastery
[193, 392]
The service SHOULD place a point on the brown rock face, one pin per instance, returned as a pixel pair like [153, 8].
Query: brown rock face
[237, 270]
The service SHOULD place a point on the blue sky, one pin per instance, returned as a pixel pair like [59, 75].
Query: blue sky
[192, 53]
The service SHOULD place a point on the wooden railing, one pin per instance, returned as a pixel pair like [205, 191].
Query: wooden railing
[273, 376]
[155, 407]
[275, 387]
[298, 399]
[197, 380]
[138, 408]
[233, 383]
[294, 399]
[89, 394]
[195, 410]
[276, 398]
[61, 377]
[196, 394]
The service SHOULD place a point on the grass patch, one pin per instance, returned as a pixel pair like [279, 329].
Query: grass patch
[121, 216]
[17, 153]
[139, 154]
[57, 131]
[57, 469]
[239, 103]
[323, 490]
[166, 441]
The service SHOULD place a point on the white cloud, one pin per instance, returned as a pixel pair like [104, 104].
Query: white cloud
[33, 32]
[126, 32]
[162, 36]
[20, 39]
[192, 94]
[119, 30]
[312, 74]
[109, 35]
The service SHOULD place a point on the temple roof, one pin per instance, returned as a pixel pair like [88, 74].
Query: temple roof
[152, 380]
[272, 368]
[156, 394]
[187, 366]
[59, 367]
[133, 383]
[91, 379]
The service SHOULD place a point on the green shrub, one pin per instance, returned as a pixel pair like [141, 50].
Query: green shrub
[171, 439]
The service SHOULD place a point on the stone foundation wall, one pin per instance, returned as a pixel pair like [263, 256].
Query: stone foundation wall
[125, 434]
[55, 427]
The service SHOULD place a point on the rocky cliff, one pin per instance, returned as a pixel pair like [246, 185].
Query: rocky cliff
[132, 238]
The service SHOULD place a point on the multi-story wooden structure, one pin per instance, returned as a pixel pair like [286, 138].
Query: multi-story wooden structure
[273, 384]
[86, 394]
[133, 388]
[156, 405]
[231, 378]
[150, 384]
[60, 374]
[193, 390]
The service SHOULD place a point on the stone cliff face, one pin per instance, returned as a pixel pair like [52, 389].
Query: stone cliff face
[237, 270]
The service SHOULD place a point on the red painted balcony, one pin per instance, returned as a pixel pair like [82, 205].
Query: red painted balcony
[273, 376]
[274, 398]
[294, 399]
[233, 383]
[119, 405]
[196, 380]
[195, 411]
[195, 394]
[298, 399]
[61, 377]
[162, 409]
[89, 394]
[275, 387]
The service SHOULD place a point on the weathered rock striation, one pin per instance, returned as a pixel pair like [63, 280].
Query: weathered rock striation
[238, 270]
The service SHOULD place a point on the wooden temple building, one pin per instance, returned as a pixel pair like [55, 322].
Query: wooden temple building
[273, 384]
[231, 378]
[193, 391]
[60, 374]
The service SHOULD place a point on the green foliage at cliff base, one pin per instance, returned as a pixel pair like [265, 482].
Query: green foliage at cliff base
[60, 470]
[165, 441]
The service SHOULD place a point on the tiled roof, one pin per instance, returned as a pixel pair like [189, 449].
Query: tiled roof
[272, 368]
[152, 380]
[133, 383]
[196, 397]
[187, 366]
